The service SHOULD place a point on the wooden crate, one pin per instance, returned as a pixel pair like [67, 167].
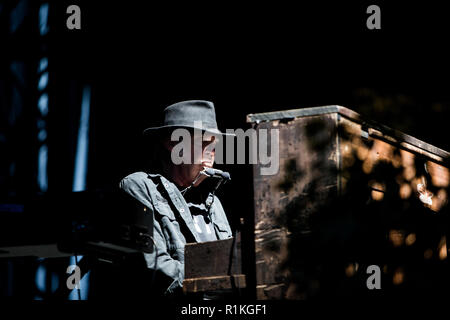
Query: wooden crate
[349, 193]
[213, 266]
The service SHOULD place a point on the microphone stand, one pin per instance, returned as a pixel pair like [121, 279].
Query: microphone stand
[203, 172]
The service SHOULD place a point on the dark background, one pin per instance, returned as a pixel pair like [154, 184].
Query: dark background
[139, 58]
[249, 59]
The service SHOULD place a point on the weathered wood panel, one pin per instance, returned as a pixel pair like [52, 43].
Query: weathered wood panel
[213, 265]
[349, 193]
[308, 160]
[212, 258]
[217, 283]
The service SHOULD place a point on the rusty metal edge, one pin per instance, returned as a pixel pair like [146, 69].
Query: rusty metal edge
[387, 133]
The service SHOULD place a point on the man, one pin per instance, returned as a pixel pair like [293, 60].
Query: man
[183, 210]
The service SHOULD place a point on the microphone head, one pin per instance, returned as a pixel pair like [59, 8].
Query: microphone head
[226, 175]
[209, 171]
[216, 173]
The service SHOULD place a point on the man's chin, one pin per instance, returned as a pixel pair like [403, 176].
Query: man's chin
[207, 164]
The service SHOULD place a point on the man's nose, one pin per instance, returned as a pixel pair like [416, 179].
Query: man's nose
[208, 157]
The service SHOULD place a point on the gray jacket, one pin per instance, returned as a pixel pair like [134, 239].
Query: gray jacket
[170, 234]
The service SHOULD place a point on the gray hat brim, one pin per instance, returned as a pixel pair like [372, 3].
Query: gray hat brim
[154, 130]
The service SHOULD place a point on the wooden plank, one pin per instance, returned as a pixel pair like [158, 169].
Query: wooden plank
[377, 129]
[214, 283]
[212, 258]
[292, 113]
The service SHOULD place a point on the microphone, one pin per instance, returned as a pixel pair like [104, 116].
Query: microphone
[216, 173]
[211, 173]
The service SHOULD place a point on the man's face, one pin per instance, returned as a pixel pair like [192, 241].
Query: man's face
[206, 159]
[185, 173]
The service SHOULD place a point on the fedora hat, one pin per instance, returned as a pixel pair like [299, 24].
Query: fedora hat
[195, 114]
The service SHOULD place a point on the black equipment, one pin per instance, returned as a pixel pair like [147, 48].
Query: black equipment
[105, 223]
